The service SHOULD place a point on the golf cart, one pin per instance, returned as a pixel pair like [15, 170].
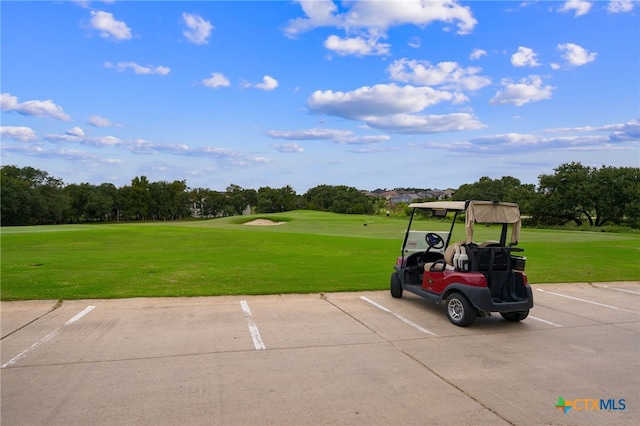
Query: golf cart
[473, 278]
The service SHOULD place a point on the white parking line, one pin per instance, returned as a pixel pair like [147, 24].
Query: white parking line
[586, 301]
[622, 289]
[544, 321]
[80, 315]
[48, 337]
[406, 321]
[253, 328]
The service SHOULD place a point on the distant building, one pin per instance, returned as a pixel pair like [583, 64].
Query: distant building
[402, 196]
[435, 194]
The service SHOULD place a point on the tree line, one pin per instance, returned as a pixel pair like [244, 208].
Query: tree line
[574, 193]
[32, 197]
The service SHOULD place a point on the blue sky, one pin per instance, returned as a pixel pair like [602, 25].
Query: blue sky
[370, 94]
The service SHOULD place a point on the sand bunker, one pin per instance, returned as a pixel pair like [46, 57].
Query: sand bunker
[263, 222]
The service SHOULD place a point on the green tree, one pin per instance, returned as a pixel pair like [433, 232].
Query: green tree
[111, 204]
[137, 203]
[238, 199]
[215, 204]
[271, 200]
[178, 199]
[565, 195]
[616, 195]
[31, 197]
[598, 196]
[507, 189]
[338, 199]
[17, 197]
[91, 203]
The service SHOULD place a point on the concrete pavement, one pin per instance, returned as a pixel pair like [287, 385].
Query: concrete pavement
[339, 358]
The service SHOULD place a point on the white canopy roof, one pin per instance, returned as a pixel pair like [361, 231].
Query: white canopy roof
[480, 212]
[440, 205]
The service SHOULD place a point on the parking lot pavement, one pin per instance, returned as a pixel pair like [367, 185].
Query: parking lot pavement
[337, 358]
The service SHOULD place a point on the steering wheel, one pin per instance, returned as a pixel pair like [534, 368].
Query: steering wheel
[434, 240]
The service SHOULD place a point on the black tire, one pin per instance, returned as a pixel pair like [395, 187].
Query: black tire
[460, 311]
[396, 287]
[515, 316]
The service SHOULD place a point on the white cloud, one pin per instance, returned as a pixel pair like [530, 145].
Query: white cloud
[524, 57]
[319, 14]
[620, 6]
[139, 69]
[342, 137]
[96, 141]
[529, 89]
[221, 157]
[216, 80]
[109, 28]
[384, 14]
[363, 140]
[629, 131]
[77, 156]
[576, 55]
[448, 75]
[581, 7]
[75, 131]
[85, 4]
[23, 134]
[112, 161]
[371, 20]
[309, 134]
[625, 132]
[288, 148]
[381, 99]
[415, 42]
[585, 138]
[357, 46]
[393, 108]
[82, 3]
[268, 83]
[73, 155]
[477, 54]
[33, 108]
[32, 150]
[145, 147]
[198, 30]
[419, 124]
[595, 139]
[103, 141]
[97, 121]
[504, 141]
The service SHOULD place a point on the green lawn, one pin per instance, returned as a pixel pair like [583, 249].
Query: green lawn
[312, 252]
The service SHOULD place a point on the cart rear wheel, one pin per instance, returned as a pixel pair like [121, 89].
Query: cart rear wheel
[515, 316]
[459, 310]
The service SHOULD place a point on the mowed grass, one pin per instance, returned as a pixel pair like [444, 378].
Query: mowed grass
[311, 252]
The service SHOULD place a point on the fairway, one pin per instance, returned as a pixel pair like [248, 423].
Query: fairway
[311, 252]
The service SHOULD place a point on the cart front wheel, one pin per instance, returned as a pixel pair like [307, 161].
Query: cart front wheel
[396, 287]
